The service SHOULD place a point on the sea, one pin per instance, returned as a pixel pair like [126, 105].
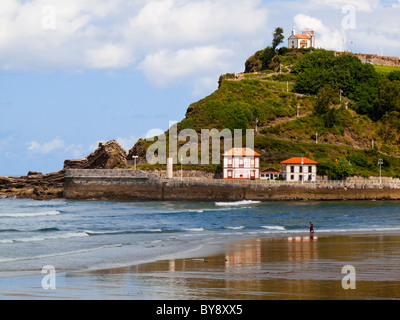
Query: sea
[95, 235]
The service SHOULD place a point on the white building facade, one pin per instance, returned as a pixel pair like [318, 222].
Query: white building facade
[299, 169]
[304, 40]
[241, 163]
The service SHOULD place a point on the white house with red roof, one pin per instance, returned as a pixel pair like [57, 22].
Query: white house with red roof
[241, 163]
[304, 40]
[299, 169]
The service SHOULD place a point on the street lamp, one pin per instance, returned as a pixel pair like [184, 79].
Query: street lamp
[380, 163]
[134, 158]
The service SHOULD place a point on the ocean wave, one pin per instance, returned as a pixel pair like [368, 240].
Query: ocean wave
[29, 214]
[280, 228]
[237, 203]
[60, 254]
[194, 229]
[121, 232]
[44, 238]
[235, 228]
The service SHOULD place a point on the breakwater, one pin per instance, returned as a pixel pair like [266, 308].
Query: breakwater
[136, 185]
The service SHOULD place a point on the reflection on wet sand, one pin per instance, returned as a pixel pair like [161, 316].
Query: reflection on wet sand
[280, 268]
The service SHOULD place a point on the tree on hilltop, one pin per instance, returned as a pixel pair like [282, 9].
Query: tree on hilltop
[269, 52]
[277, 38]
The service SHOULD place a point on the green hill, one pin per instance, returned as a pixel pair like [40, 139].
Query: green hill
[325, 105]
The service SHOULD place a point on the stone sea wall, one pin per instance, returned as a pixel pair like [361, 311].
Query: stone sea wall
[140, 186]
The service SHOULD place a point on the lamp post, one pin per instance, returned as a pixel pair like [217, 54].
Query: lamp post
[380, 163]
[134, 158]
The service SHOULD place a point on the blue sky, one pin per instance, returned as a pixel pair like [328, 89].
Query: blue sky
[73, 73]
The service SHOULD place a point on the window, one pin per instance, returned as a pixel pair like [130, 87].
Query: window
[309, 177]
[292, 169]
[292, 177]
[241, 163]
[301, 169]
[252, 163]
[252, 174]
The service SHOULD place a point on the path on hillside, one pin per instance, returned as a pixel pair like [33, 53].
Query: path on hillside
[281, 120]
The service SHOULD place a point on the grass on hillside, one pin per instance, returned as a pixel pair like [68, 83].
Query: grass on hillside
[385, 70]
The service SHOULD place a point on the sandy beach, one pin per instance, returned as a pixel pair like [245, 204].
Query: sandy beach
[283, 268]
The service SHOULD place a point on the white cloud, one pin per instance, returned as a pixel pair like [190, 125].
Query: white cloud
[325, 37]
[96, 34]
[109, 56]
[361, 5]
[184, 22]
[166, 66]
[46, 147]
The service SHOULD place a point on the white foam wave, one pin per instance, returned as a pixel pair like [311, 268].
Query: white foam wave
[237, 203]
[280, 228]
[44, 238]
[60, 253]
[235, 228]
[29, 214]
[194, 229]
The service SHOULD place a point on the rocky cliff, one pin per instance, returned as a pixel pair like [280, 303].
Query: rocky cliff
[36, 185]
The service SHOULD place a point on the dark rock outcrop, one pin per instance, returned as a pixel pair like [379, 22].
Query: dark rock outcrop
[139, 150]
[108, 155]
[38, 186]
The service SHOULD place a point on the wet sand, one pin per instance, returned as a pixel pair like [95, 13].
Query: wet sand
[270, 268]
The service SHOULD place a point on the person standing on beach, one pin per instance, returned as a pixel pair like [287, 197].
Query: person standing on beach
[311, 228]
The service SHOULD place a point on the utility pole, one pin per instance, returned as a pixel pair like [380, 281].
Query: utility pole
[297, 111]
[316, 137]
[280, 68]
[380, 163]
[341, 91]
[256, 124]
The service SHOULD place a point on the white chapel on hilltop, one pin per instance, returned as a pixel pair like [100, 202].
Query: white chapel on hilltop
[304, 40]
